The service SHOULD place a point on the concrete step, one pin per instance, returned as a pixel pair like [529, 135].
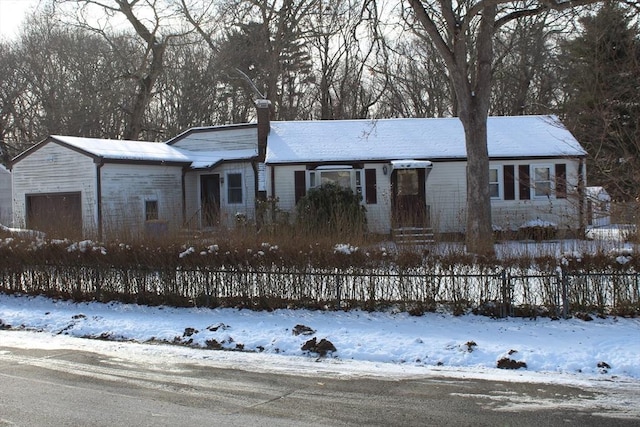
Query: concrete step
[412, 235]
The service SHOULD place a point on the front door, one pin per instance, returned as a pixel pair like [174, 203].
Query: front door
[210, 199]
[408, 198]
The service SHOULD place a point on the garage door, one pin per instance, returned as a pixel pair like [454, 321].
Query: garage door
[57, 214]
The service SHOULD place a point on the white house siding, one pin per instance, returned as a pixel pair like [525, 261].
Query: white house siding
[6, 208]
[55, 169]
[243, 138]
[446, 196]
[192, 199]
[445, 190]
[228, 211]
[284, 177]
[378, 215]
[564, 212]
[126, 188]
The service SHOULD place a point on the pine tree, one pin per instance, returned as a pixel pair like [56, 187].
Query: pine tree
[602, 82]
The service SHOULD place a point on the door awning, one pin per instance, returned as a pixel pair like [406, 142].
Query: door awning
[411, 164]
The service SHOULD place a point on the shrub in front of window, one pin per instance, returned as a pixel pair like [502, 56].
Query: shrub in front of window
[331, 209]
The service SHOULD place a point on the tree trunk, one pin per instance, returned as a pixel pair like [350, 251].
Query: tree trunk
[479, 233]
[471, 82]
[145, 92]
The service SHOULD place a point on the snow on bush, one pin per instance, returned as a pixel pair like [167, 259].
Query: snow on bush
[188, 251]
[539, 223]
[85, 246]
[344, 248]
[568, 257]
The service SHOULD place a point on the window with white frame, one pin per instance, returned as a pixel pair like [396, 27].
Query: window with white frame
[494, 183]
[343, 177]
[234, 188]
[358, 179]
[542, 179]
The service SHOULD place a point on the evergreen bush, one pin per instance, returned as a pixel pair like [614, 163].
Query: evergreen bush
[331, 209]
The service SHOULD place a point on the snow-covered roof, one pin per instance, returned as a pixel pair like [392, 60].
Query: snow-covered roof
[430, 138]
[125, 150]
[208, 159]
[152, 151]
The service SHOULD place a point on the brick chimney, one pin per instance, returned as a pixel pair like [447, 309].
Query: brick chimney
[263, 107]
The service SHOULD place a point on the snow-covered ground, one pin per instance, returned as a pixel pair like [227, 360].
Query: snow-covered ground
[572, 351]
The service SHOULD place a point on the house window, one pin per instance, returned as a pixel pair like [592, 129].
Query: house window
[346, 178]
[337, 177]
[234, 188]
[361, 183]
[408, 183]
[151, 210]
[494, 183]
[542, 181]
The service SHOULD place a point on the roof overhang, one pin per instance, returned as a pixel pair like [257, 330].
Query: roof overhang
[411, 164]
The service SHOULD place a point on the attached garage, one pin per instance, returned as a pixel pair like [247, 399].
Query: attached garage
[73, 187]
[57, 214]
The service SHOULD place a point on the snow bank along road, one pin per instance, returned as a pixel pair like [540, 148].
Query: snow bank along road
[121, 383]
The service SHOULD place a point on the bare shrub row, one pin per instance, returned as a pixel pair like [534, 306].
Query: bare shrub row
[321, 276]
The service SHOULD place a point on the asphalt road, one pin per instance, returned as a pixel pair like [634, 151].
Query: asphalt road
[75, 388]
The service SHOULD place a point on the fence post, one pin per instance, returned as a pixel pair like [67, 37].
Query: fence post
[506, 301]
[338, 291]
[564, 279]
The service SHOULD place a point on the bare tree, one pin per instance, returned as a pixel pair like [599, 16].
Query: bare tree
[12, 87]
[154, 24]
[350, 63]
[526, 67]
[264, 40]
[419, 87]
[463, 35]
[60, 79]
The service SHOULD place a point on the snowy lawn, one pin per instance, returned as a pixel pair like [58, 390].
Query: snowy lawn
[380, 343]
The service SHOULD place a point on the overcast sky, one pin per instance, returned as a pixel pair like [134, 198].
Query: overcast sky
[12, 12]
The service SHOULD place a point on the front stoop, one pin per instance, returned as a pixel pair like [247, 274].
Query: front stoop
[412, 236]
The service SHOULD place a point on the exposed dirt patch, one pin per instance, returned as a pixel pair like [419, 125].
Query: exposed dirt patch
[506, 363]
[303, 330]
[213, 345]
[583, 316]
[214, 328]
[321, 347]
[189, 332]
[471, 345]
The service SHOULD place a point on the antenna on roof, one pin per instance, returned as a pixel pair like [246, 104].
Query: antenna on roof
[255, 89]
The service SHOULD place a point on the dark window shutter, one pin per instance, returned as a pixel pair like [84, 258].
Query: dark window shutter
[300, 184]
[561, 181]
[509, 182]
[524, 184]
[371, 187]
